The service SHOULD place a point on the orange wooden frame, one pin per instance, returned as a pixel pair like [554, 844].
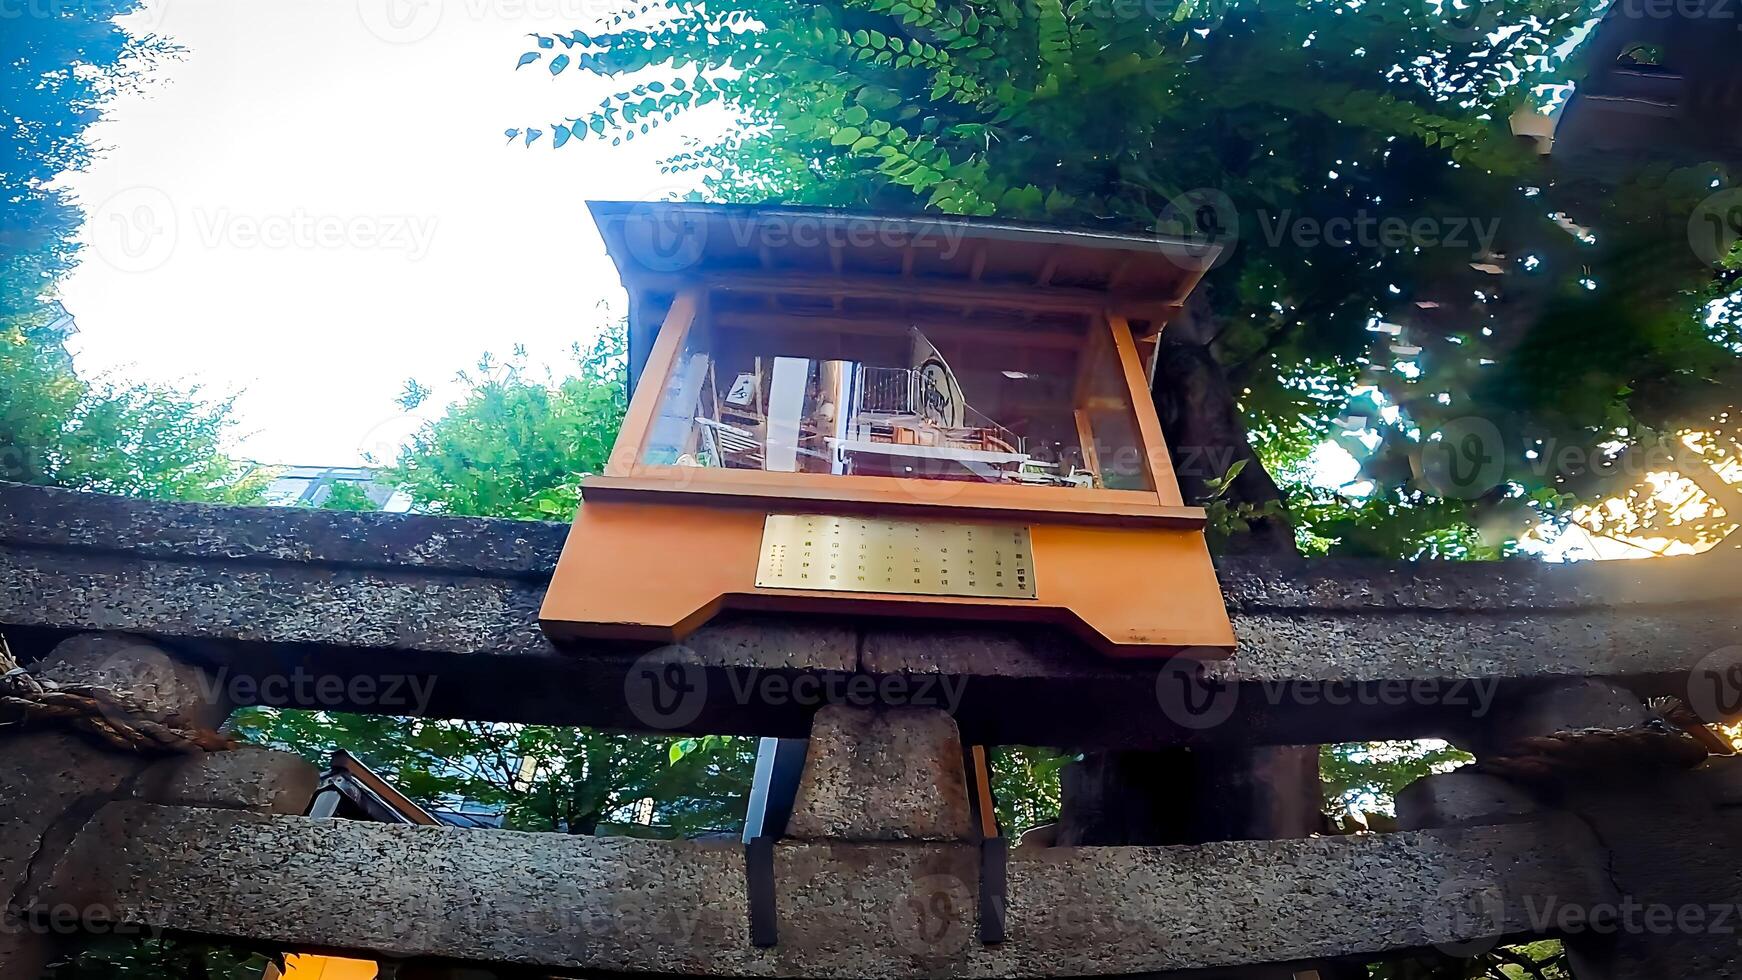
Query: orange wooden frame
[626, 475]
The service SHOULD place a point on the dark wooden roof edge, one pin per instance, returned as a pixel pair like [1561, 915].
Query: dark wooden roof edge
[996, 229]
[347, 768]
[1122, 254]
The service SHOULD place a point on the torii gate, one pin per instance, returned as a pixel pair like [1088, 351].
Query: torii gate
[1592, 816]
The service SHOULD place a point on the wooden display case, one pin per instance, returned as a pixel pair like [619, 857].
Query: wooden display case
[848, 414]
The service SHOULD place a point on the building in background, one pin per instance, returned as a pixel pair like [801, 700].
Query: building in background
[59, 326]
[314, 486]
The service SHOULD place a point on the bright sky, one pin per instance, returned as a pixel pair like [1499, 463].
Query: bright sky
[317, 203]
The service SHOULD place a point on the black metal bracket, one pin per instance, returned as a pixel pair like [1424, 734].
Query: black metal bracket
[759, 890]
[994, 889]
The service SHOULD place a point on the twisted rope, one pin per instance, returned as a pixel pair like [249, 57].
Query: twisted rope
[116, 717]
[1676, 738]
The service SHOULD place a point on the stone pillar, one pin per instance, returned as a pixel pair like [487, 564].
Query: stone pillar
[52, 781]
[1195, 796]
[1462, 799]
[1667, 836]
[1190, 796]
[874, 779]
[883, 774]
[1675, 856]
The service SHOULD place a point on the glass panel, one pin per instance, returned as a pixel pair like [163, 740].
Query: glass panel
[1006, 406]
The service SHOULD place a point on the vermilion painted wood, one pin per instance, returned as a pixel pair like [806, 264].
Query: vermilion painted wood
[657, 550]
[656, 571]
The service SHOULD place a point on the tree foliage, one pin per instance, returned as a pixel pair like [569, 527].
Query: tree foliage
[516, 445]
[1407, 279]
[63, 62]
[107, 436]
[561, 780]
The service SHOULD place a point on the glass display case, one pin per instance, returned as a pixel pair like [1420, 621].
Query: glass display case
[938, 420]
[893, 403]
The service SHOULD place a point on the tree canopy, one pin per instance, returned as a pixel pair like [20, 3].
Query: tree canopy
[63, 62]
[128, 438]
[1407, 280]
[516, 445]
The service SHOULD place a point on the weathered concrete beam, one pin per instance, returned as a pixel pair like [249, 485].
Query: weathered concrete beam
[52, 781]
[845, 910]
[438, 616]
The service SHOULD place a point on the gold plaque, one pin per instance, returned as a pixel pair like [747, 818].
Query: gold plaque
[854, 554]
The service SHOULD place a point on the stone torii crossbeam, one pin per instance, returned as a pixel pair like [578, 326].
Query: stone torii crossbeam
[203, 608]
